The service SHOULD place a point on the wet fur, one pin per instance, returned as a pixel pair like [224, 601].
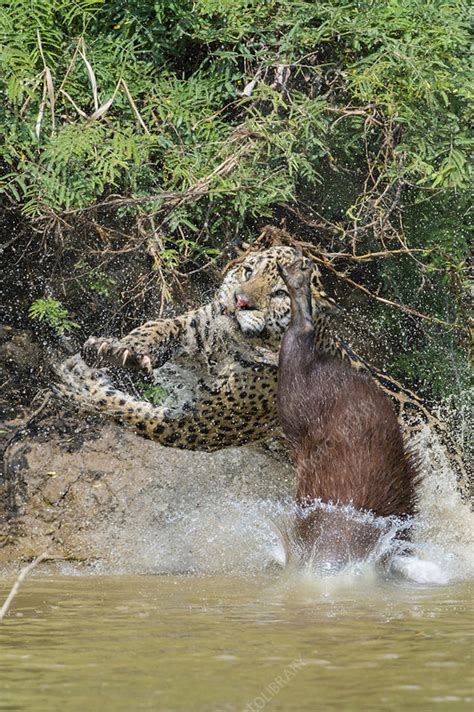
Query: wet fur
[347, 442]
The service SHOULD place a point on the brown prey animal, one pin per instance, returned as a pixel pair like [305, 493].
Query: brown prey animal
[346, 440]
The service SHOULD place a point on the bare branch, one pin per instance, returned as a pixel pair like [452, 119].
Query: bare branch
[374, 255]
[316, 255]
[16, 586]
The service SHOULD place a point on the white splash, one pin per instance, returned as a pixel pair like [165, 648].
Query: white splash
[224, 535]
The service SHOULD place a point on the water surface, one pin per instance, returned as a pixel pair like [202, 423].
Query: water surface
[281, 641]
[238, 632]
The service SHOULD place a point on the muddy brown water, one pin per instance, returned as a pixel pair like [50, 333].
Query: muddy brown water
[238, 630]
[276, 641]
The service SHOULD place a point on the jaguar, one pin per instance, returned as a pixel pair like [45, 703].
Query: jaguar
[218, 363]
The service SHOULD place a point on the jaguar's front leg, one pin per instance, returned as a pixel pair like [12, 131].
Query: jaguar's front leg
[146, 347]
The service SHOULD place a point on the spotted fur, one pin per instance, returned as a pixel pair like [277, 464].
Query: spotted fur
[230, 345]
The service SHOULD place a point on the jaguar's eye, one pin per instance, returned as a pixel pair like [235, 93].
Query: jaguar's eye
[247, 272]
[280, 293]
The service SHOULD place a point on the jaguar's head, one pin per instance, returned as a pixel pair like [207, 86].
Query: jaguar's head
[254, 293]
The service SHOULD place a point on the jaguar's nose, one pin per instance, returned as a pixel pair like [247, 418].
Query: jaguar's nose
[242, 301]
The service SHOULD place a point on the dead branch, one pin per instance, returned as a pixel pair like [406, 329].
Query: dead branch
[16, 586]
[23, 430]
[402, 307]
[373, 255]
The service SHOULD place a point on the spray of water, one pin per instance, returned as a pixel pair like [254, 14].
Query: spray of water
[223, 534]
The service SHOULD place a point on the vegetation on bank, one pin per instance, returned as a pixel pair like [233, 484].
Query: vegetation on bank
[169, 130]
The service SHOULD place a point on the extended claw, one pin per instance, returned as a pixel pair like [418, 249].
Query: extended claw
[103, 348]
[126, 354]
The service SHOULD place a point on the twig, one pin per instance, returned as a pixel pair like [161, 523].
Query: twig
[373, 255]
[91, 75]
[79, 111]
[24, 429]
[48, 80]
[30, 95]
[16, 586]
[173, 199]
[134, 106]
[10, 242]
[71, 63]
[395, 203]
[389, 302]
[352, 112]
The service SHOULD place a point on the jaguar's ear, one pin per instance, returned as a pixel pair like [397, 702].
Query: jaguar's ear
[272, 236]
[238, 248]
[326, 304]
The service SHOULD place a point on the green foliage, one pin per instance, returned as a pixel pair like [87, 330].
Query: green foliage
[432, 368]
[54, 314]
[95, 279]
[153, 394]
[200, 119]
[185, 64]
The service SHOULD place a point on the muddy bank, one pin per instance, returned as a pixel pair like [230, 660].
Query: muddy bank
[83, 496]
[85, 489]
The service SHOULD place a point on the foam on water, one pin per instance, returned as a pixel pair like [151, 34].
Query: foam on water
[444, 527]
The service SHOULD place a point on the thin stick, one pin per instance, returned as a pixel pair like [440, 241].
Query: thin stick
[48, 78]
[71, 63]
[16, 586]
[402, 307]
[134, 106]
[79, 111]
[373, 255]
[23, 429]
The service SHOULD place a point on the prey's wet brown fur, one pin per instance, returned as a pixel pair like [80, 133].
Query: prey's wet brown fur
[347, 442]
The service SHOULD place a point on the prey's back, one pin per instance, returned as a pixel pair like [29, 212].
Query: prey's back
[347, 442]
[346, 439]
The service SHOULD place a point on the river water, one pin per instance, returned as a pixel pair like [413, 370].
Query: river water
[274, 641]
[211, 612]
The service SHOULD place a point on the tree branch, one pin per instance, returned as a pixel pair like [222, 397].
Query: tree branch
[16, 586]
